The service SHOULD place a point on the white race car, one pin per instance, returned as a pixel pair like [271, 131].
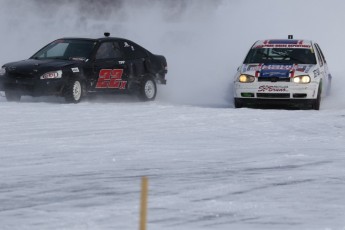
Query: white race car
[282, 72]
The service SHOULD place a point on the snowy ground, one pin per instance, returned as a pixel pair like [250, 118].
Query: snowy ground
[66, 166]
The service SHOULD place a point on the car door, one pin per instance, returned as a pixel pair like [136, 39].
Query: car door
[323, 69]
[136, 58]
[110, 69]
[327, 75]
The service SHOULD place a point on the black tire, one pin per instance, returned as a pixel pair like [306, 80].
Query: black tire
[147, 90]
[12, 95]
[317, 102]
[73, 92]
[237, 104]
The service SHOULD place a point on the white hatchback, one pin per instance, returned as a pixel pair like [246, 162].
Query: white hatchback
[282, 72]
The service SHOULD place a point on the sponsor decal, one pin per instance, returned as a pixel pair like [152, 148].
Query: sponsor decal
[273, 88]
[300, 68]
[78, 59]
[292, 72]
[275, 70]
[282, 46]
[317, 72]
[257, 72]
[256, 67]
[111, 78]
[75, 70]
[251, 68]
[122, 62]
[274, 73]
[277, 67]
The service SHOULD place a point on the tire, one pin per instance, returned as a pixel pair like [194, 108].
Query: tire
[73, 92]
[12, 95]
[237, 104]
[317, 102]
[148, 90]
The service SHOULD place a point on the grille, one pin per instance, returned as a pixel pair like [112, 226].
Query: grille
[274, 79]
[273, 95]
[299, 95]
[20, 75]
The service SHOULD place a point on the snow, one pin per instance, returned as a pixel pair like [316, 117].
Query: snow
[66, 166]
[210, 166]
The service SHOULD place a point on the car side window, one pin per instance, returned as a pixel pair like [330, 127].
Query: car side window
[133, 51]
[318, 55]
[322, 56]
[56, 50]
[109, 50]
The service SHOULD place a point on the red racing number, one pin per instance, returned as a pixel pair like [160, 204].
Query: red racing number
[111, 78]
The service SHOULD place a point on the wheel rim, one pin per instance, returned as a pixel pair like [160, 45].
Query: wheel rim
[76, 91]
[150, 89]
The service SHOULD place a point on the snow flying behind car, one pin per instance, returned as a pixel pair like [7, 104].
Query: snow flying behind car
[292, 72]
[74, 67]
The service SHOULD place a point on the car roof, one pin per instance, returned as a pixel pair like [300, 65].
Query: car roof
[283, 43]
[93, 39]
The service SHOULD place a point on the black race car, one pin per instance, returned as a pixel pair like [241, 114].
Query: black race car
[75, 67]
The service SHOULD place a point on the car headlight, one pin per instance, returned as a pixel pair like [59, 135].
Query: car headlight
[2, 71]
[243, 78]
[52, 75]
[304, 79]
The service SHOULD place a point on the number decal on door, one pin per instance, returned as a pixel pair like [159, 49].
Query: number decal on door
[111, 78]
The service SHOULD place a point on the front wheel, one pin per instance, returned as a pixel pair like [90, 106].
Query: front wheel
[148, 90]
[237, 103]
[317, 102]
[12, 95]
[73, 91]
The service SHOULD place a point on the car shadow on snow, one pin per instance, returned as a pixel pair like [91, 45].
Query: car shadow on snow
[276, 107]
[89, 99]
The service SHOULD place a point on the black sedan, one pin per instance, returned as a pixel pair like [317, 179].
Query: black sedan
[75, 67]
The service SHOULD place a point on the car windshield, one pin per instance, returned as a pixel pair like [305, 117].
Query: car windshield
[281, 55]
[68, 49]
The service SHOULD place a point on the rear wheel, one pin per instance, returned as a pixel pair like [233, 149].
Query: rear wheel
[73, 91]
[12, 95]
[148, 90]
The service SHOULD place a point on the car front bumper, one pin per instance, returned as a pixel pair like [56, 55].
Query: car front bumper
[277, 90]
[277, 93]
[32, 86]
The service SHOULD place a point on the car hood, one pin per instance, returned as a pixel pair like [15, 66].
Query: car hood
[277, 70]
[32, 66]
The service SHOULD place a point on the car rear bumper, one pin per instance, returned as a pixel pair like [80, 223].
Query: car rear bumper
[160, 79]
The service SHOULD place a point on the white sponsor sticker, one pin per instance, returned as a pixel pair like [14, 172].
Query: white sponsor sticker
[75, 70]
[272, 88]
